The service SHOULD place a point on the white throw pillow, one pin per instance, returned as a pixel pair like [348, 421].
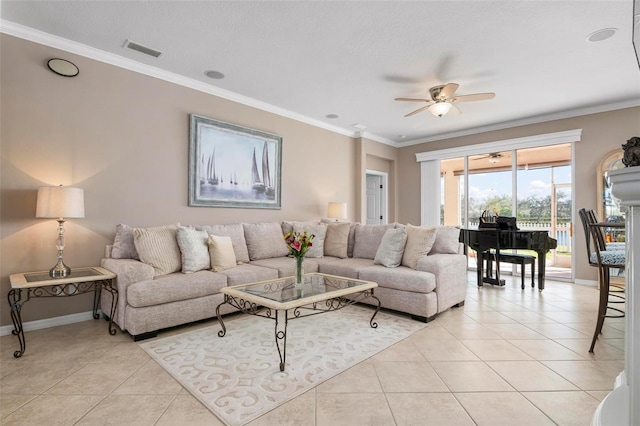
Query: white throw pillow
[419, 243]
[221, 253]
[194, 249]
[447, 240]
[265, 240]
[317, 244]
[123, 245]
[337, 240]
[391, 248]
[158, 247]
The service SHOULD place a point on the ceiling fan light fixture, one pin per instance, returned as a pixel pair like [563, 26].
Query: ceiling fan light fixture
[495, 158]
[440, 108]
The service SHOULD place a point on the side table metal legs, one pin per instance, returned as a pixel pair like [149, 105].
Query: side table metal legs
[15, 303]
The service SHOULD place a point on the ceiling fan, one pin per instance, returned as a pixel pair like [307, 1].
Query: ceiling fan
[493, 157]
[442, 100]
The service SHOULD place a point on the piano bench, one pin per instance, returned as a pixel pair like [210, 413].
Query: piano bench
[513, 258]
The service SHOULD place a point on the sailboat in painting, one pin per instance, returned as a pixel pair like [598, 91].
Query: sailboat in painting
[211, 167]
[203, 172]
[256, 182]
[266, 173]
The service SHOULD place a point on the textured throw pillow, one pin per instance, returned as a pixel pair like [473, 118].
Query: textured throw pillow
[123, 245]
[337, 240]
[265, 240]
[391, 248]
[447, 240]
[193, 248]
[367, 239]
[319, 230]
[236, 232]
[221, 253]
[419, 242]
[158, 247]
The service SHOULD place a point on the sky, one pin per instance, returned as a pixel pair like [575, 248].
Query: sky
[535, 182]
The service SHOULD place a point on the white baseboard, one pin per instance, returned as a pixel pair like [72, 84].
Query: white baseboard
[50, 322]
[591, 283]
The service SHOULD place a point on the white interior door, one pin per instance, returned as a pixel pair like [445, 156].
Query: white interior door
[374, 200]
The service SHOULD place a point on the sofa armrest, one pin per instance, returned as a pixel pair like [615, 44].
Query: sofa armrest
[451, 277]
[128, 271]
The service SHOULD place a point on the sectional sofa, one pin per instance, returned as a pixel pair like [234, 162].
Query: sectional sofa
[172, 275]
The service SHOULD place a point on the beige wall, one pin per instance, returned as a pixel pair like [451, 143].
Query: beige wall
[601, 133]
[124, 138]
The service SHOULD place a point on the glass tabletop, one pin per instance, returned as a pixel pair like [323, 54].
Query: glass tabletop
[75, 273]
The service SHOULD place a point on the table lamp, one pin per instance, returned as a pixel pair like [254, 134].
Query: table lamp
[60, 202]
[337, 211]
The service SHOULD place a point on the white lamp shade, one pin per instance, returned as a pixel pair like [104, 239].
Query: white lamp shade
[60, 202]
[337, 210]
[440, 108]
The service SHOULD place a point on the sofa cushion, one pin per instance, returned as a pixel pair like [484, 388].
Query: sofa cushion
[447, 240]
[174, 287]
[247, 273]
[287, 226]
[158, 247]
[419, 242]
[391, 248]
[336, 240]
[343, 267]
[221, 253]
[193, 249]
[264, 240]
[286, 266]
[123, 245]
[236, 232]
[401, 278]
[367, 239]
[319, 231]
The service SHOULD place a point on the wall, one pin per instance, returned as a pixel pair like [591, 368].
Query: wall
[124, 138]
[372, 155]
[601, 133]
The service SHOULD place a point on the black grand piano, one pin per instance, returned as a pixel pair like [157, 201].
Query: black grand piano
[482, 240]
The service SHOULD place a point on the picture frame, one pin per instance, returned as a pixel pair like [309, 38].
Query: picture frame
[233, 166]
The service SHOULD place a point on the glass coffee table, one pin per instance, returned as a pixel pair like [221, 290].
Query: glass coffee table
[281, 300]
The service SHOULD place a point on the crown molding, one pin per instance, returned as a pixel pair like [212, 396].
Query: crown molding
[40, 37]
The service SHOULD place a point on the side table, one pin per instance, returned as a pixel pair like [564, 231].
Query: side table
[40, 284]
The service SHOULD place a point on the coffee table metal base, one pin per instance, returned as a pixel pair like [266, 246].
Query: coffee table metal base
[282, 317]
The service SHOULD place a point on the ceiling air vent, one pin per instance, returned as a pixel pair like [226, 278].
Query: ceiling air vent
[142, 49]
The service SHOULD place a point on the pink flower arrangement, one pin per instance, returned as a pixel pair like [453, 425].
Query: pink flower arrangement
[299, 243]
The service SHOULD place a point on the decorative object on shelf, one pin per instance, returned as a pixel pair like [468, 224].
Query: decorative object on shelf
[233, 166]
[631, 149]
[63, 67]
[299, 244]
[337, 211]
[60, 202]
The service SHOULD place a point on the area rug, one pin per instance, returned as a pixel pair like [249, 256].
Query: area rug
[238, 376]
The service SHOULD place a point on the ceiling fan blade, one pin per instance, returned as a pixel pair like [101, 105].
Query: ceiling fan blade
[474, 97]
[448, 90]
[454, 111]
[412, 100]
[418, 110]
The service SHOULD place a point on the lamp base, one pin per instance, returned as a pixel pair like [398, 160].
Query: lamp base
[60, 271]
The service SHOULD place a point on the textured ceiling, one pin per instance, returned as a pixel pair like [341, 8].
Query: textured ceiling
[352, 58]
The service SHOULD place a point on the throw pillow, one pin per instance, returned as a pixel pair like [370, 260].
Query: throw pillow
[221, 253]
[193, 249]
[236, 232]
[419, 242]
[265, 240]
[368, 238]
[391, 248]
[319, 230]
[123, 245]
[447, 240]
[337, 240]
[158, 247]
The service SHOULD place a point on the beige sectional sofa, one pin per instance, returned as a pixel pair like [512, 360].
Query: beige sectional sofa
[172, 275]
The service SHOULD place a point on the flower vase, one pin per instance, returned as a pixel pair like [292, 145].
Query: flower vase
[299, 271]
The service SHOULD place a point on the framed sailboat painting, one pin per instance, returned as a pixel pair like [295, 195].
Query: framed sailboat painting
[233, 166]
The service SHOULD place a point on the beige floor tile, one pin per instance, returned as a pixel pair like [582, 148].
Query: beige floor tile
[469, 331]
[359, 378]
[95, 379]
[527, 317]
[409, 377]
[556, 331]
[298, 411]
[445, 350]
[546, 350]
[599, 395]
[127, 352]
[490, 318]
[495, 350]
[427, 409]
[352, 409]
[514, 331]
[566, 317]
[52, 410]
[565, 408]
[402, 351]
[150, 379]
[470, 376]
[10, 403]
[37, 378]
[603, 350]
[433, 330]
[134, 410]
[588, 375]
[187, 410]
[530, 376]
[502, 409]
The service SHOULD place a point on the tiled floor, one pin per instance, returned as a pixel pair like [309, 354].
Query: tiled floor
[508, 357]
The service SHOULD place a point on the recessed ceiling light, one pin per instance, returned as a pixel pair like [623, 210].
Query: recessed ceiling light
[216, 75]
[602, 34]
[332, 116]
[402, 136]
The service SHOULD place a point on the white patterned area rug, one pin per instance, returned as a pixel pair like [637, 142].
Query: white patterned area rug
[238, 376]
